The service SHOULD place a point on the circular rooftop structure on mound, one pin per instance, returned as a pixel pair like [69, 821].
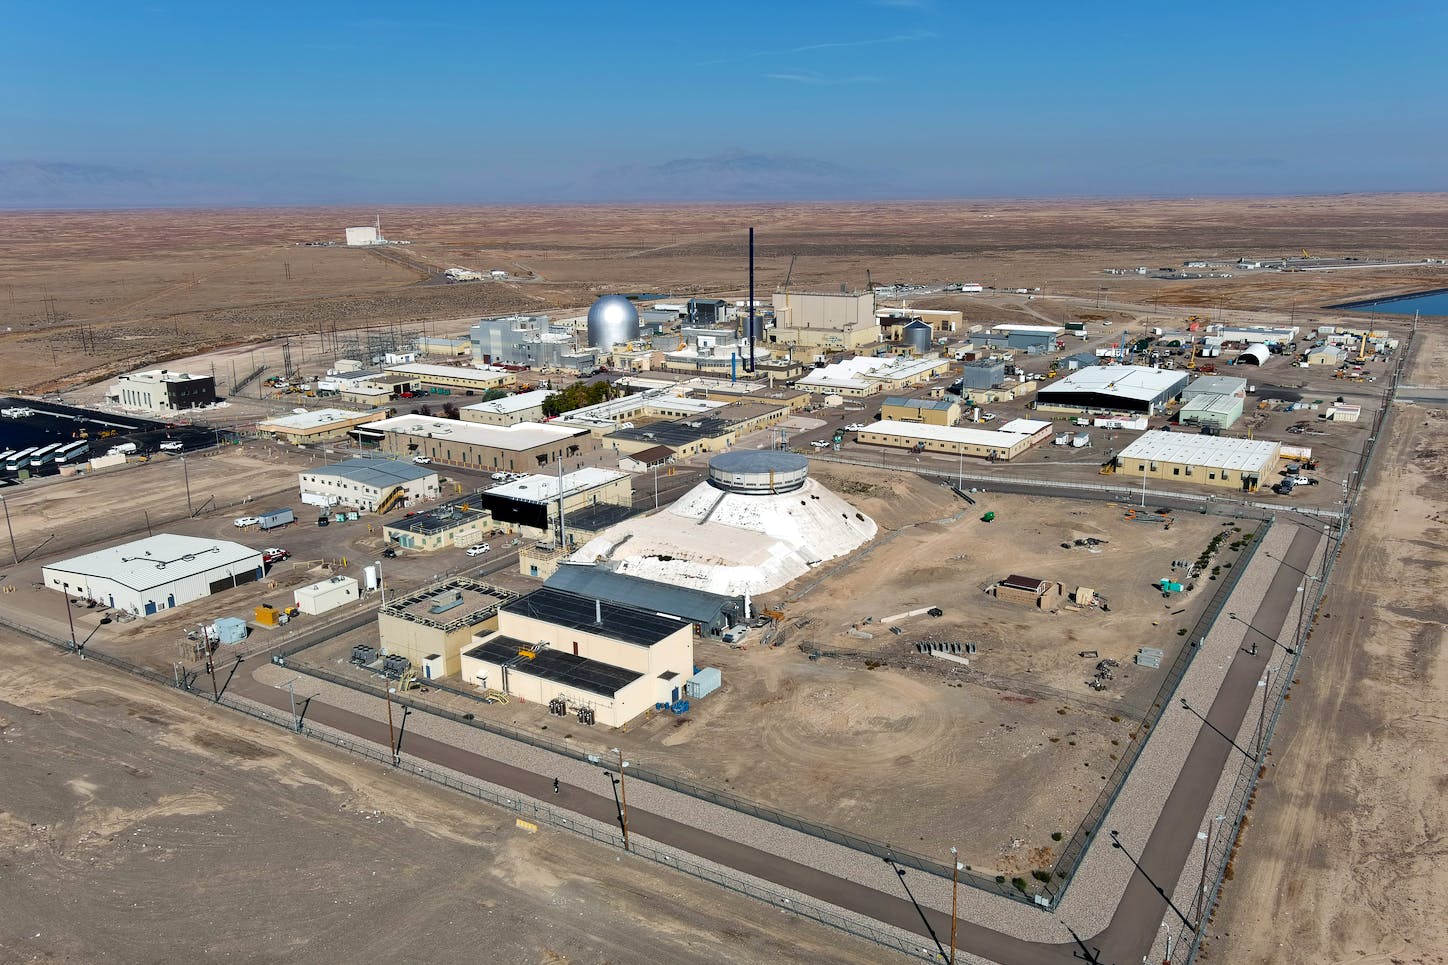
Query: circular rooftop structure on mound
[758, 471]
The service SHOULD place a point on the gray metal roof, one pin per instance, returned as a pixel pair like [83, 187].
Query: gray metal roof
[619, 621]
[941, 404]
[372, 471]
[758, 460]
[696, 606]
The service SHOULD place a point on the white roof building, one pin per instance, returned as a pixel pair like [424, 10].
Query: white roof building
[522, 435]
[865, 375]
[509, 404]
[1131, 388]
[542, 488]
[154, 574]
[1255, 456]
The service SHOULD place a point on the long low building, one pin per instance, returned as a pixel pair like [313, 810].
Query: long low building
[157, 573]
[368, 483]
[1113, 388]
[866, 375]
[711, 613]
[1206, 460]
[992, 444]
[316, 426]
[509, 410]
[523, 447]
[1218, 411]
[467, 378]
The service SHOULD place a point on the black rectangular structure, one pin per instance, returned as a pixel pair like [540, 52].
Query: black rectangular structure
[556, 666]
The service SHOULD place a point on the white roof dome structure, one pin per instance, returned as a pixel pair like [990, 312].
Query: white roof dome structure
[613, 320]
[752, 527]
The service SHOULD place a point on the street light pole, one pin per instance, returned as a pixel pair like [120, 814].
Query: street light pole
[14, 553]
[68, 618]
[954, 895]
[622, 796]
[186, 477]
[292, 693]
[381, 584]
[391, 732]
[1206, 856]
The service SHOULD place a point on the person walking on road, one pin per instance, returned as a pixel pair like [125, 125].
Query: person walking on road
[555, 785]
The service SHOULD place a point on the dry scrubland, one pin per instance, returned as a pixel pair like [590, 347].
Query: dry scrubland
[1343, 858]
[190, 832]
[156, 285]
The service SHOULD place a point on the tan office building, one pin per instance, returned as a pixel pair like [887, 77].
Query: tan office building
[431, 626]
[827, 321]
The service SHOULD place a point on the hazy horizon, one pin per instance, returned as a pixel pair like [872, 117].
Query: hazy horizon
[329, 104]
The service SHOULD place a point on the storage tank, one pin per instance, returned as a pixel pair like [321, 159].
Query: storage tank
[369, 577]
[918, 335]
[613, 320]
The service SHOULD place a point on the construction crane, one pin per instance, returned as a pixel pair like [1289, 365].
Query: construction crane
[790, 273]
[869, 283]
[1363, 348]
[1192, 362]
[1305, 255]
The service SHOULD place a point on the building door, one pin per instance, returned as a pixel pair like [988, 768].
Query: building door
[676, 696]
[150, 607]
[170, 600]
[575, 648]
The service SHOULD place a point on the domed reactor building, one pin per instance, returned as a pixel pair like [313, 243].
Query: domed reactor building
[613, 320]
[755, 524]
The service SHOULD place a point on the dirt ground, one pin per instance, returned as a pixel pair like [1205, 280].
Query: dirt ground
[1343, 859]
[930, 747]
[138, 826]
[92, 293]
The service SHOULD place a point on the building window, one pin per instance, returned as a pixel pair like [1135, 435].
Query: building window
[1211, 475]
[1176, 470]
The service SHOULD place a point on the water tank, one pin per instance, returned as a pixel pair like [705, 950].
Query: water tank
[758, 472]
[918, 335]
[613, 320]
[369, 577]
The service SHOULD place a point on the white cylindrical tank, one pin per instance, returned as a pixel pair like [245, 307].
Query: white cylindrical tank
[369, 577]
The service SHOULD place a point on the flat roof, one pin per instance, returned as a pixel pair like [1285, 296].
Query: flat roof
[958, 434]
[315, 419]
[512, 403]
[1025, 427]
[652, 454]
[449, 605]
[541, 488]
[441, 518]
[759, 461]
[685, 602]
[520, 436]
[1219, 452]
[1035, 329]
[157, 560]
[448, 371]
[621, 622]
[557, 666]
[373, 471]
[1138, 382]
[940, 405]
[1218, 384]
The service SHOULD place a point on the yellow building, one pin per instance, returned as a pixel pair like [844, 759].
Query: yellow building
[316, 426]
[609, 659]
[982, 443]
[433, 625]
[935, 412]
[829, 321]
[1219, 461]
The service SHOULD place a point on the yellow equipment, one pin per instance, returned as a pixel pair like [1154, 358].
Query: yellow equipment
[1363, 348]
[391, 500]
[1305, 255]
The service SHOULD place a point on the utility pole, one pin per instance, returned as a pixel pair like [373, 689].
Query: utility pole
[391, 731]
[292, 693]
[954, 896]
[11, 530]
[186, 477]
[623, 796]
[70, 620]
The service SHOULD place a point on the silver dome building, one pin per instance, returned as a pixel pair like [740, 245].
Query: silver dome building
[613, 320]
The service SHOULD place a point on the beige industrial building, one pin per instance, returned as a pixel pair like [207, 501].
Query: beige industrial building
[456, 377]
[327, 595]
[994, 445]
[1206, 460]
[320, 425]
[524, 447]
[722, 428]
[893, 320]
[827, 321]
[509, 410]
[368, 483]
[1029, 591]
[613, 660]
[431, 626]
[864, 376]
[935, 412]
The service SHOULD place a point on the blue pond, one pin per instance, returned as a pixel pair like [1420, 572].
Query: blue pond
[1424, 303]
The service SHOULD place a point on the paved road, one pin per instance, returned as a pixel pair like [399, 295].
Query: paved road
[1131, 931]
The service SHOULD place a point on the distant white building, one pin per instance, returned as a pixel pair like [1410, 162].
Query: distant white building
[365, 235]
[154, 574]
[162, 391]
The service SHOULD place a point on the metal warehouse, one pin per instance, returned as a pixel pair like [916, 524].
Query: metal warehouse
[1215, 385]
[711, 613]
[1113, 388]
[1208, 460]
[518, 448]
[156, 573]
[935, 412]
[985, 443]
[509, 410]
[1221, 411]
[304, 427]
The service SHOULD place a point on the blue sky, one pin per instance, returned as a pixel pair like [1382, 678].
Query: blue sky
[362, 102]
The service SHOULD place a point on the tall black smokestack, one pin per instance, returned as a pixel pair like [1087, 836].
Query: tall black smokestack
[751, 301]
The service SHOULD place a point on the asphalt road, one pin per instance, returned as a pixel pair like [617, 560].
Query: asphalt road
[1137, 919]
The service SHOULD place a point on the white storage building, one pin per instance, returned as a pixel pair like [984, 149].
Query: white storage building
[1206, 460]
[368, 482]
[316, 598]
[156, 573]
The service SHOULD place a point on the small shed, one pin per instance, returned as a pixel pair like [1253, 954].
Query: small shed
[705, 682]
[230, 630]
[327, 595]
[1027, 590]
[645, 460]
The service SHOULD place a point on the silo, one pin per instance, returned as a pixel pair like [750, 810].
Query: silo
[613, 320]
[918, 335]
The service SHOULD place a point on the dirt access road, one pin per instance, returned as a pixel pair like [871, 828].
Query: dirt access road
[1344, 857]
[138, 826]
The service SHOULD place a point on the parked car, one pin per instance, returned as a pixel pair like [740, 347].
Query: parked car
[241, 522]
[274, 554]
[389, 553]
[855, 427]
[499, 477]
[821, 444]
[421, 460]
[478, 549]
[172, 446]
